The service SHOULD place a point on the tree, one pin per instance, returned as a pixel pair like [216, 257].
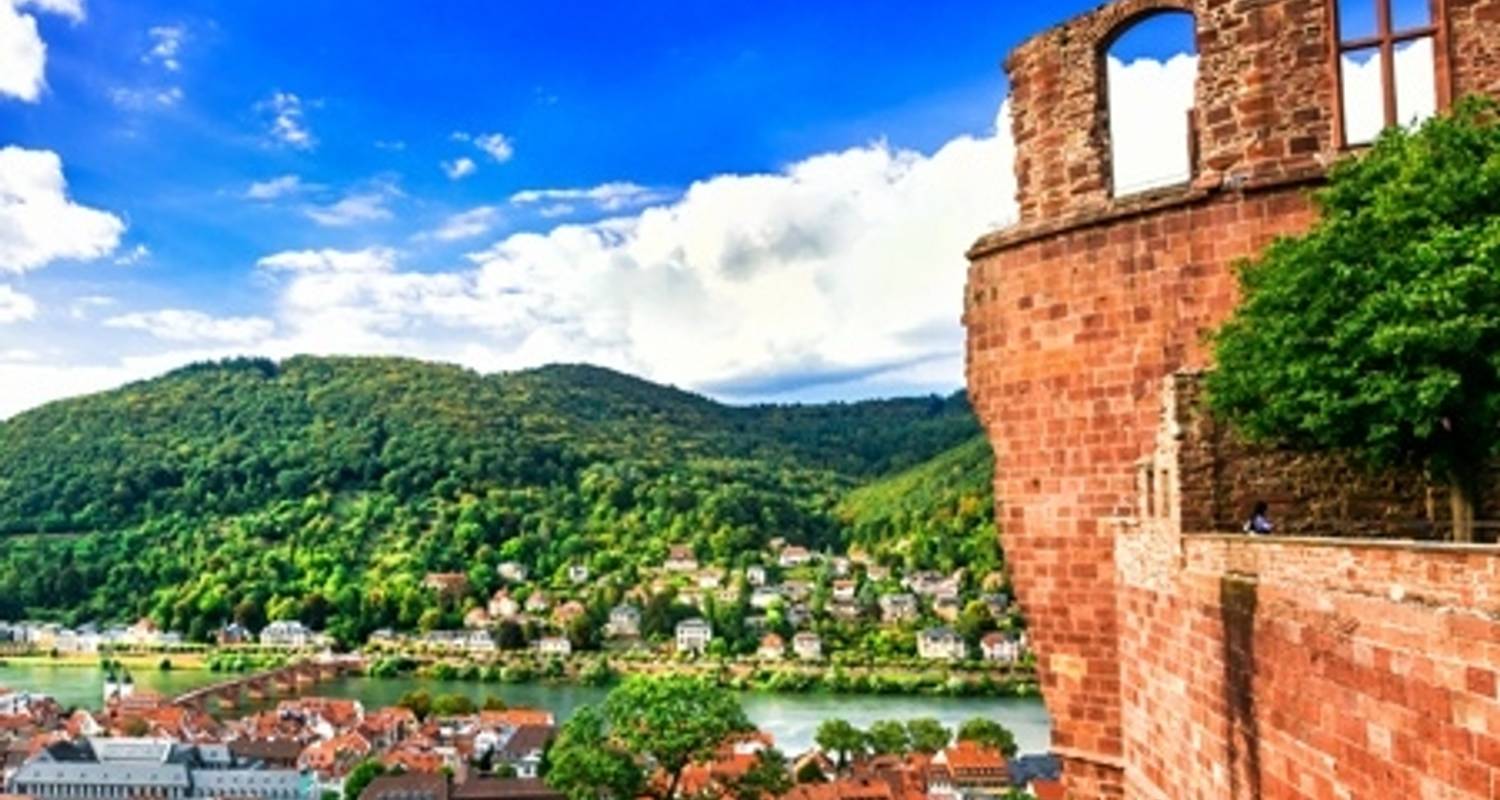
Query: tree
[418, 701]
[838, 736]
[585, 764]
[989, 733]
[450, 705]
[927, 735]
[360, 777]
[889, 738]
[1377, 332]
[671, 722]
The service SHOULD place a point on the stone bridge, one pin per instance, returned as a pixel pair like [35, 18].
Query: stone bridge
[282, 681]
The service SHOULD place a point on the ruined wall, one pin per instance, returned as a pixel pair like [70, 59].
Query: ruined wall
[1074, 317]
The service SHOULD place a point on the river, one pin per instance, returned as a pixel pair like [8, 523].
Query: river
[791, 718]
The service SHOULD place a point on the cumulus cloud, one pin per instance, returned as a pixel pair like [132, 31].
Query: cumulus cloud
[23, 54]
[497, 146]
[133, 256]
[467, 224]
[180, 325]
[143, 99]
[459, 168]
[607, 197]
[274, 188]
[372, 259]
[1364, 97]
[1149, 101]
[287, 120]
[166, 44]
[14, 306]
[39, 224]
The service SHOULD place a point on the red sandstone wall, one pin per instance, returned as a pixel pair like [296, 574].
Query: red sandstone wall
[1074, 317]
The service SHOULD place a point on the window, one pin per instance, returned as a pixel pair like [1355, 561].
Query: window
[1151, 72]
[1387, 65]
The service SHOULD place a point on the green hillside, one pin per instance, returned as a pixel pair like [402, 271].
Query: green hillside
[326, 489]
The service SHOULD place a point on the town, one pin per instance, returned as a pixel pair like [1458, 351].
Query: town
[321, 748]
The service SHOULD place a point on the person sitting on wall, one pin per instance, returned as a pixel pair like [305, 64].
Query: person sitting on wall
[1259, 523]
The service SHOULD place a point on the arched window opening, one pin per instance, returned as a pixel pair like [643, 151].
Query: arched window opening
[1388, 72]
[1152, 68]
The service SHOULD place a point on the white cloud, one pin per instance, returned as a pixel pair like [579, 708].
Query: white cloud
[459, 168]
[23, 54]
[468, 224]
[1364, 97]
[274, 188]
[166, 44]
[14, 306]
[39, 224]
[497, 146]
[373, 259]
[288, 123]
[613, 196]
[179, 325]
[364, 205]
[133, 256]
[84, 307]
[141, 99]
[1149, 102]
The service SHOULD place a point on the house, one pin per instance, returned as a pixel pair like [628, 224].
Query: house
[797, 591]
[841, 566]
[772, 648]
[478, 640]
[1002, 649]
[997, 603]
[336, 756]
[234, 633]
[477, 617]
[554, 646]
[624, 622]
[947, 606]
[681, 559]
[567, 612]
[512, 571]
[286, 633]
[844, 590]
[941, 644]
[793, 556]
[896, 608]
[798, 615]
[966, 771]
[877, 572]
[807, 646]
[385, 637]
[449, 585]
[537, 603]
[764, 597]
[693, 635]
[524, 747]
[846, 611]
[578, 573]
[755, 575]
[710, 579]
[502, 605]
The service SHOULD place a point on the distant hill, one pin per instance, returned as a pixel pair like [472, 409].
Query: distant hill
[326, 488]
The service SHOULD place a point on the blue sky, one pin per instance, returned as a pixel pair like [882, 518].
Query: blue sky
[730, 197]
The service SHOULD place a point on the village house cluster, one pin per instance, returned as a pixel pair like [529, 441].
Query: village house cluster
[145, 745]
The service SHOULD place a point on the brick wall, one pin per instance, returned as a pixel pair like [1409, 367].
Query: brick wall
[1156, 675]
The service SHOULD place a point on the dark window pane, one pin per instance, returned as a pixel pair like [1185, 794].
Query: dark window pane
[1408, 14]
[1357, 19]
[1364, 97]
[1416, 81]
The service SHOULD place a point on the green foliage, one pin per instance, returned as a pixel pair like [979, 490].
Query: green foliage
[586, 764]
[839, 736]
[451, 705]
[889, 738]
[938, 515]
[989, 733]
[769, 776]
[360, 777]
[1378, 331]
[324, 489]
[417, 701]
[928, 735]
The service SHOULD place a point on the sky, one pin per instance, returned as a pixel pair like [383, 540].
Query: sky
[761, 202]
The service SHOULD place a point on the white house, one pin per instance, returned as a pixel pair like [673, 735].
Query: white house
[772, 648]
[1001, 649]
[578, 573]
[941, 644]
[844, 590]
[554, 646]
[287, 633]
[764, 597]
[794, 556]
[755, 575]
[681, 559]
[624, 622]
[513, 571]
[503, 606]
[693, 635]
[898, 607]
[807, 646]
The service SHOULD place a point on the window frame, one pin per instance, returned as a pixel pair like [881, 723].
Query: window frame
[1386, 40]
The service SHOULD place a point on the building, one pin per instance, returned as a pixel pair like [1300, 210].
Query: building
[624, 622]
[502, 605]
[512, 572]
[772, 648]
[234, 633]
[755, 575]
[554, 646]
[694, 635]
[968, 771]
[844, 590]
[578, 573]
[763, 597]
[288, 634]
[102, 769]
[793, 556]
[524, 747]
[941, 644]
[450, 585]
[807, 646]
[896, 608]
[567, 612]
[681, 559]
[537, 603]
[1002, 649]
[477, 617]
[947, 606]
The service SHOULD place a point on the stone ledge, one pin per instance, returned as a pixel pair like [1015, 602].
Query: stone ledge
[1409, 545]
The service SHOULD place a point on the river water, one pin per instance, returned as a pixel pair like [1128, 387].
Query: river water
[791, 718]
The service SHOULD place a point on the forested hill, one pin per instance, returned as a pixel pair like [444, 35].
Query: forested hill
[327, 488]
[237, 435]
